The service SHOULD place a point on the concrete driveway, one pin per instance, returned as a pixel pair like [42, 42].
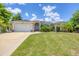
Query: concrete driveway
[10, 41]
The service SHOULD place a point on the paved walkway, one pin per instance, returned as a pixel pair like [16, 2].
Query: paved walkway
[10, 41]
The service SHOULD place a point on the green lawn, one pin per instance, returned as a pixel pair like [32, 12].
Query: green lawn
[49, 44]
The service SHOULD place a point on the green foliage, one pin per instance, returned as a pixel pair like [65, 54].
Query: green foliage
[75, 17]
[17, 17]
[73, 22]
[1, 5]
[5, 16]
[1, 22]
[77, 26]
[46, 28]
[3, 29]
[69, 26]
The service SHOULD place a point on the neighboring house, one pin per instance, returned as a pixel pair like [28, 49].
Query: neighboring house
[25, 26]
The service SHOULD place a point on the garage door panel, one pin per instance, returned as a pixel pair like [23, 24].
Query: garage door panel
[23, 27]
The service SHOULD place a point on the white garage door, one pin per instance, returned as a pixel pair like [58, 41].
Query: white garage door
[23, 27]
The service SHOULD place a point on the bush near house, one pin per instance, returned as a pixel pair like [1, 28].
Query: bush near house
[46, 28]
[68, 26]
[77, 28]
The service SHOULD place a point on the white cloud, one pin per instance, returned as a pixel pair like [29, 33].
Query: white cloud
[58, 19]
[40, 19]
[15, 10]
[9, 3]
[34, 17]
[21, 3]
[39, 5]
[48, 19]
[15, 3]
[26, 14]
[50, 14]
[48, 8]
[56, 14]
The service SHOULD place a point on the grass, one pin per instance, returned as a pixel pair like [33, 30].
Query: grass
[49, 44]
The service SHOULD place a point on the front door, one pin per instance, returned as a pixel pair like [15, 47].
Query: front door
[36, 27]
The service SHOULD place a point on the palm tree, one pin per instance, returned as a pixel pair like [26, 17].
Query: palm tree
[5, 16]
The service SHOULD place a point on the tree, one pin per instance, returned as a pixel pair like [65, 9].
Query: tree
[75, 17]
[17, 17]
[1, 5]
[75, 20]
[71, 25]
[5, 16]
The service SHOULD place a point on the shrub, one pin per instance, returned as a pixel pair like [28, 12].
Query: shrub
[3, 29]
[46, 28]
[77, 28]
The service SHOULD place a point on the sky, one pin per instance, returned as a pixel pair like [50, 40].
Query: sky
[43, 11]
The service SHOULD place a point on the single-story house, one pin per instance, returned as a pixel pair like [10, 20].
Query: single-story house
[25, 26]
